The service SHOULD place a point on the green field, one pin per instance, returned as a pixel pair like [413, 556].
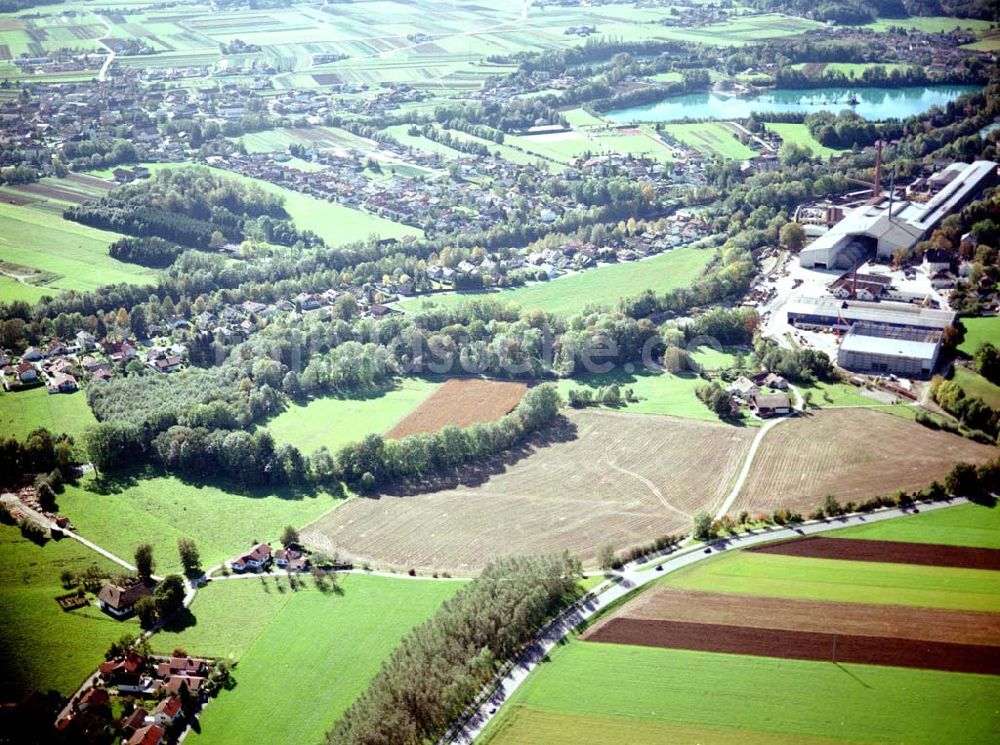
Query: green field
[305, 654]
[658, 393]
[799, 134]
[74, 256]
[137, 507]
[333, 422]
[716, 359]
[601, 286]
[11, 290]
[930, 24]
[592, 692]
[962, 525]
[780, 576]
[978, 331]
[715, 139]
[23, 411]
[593, 142]
[41, 646]
[975, 385]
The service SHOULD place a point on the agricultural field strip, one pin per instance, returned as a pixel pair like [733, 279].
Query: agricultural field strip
[895, 552]
[795, 644]
[666, 603]
[609, 594]
[460, 402]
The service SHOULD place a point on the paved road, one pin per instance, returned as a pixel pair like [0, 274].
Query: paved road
[634, 576]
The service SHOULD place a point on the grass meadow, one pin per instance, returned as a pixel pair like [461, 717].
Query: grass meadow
[334, 422]
[43, 647]
[658, 393]
[601, 286]
[305, 653]
[843, 581]
[711, 138]
[978, 331]
[23, 411]
[144, 506]
[800, 135]
[977, 386]
[593, 692]
[963, 525]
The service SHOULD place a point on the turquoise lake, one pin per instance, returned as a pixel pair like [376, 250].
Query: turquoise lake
[874, 104]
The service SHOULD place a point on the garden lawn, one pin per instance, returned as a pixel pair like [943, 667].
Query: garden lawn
[963, 525]
[843, 581]
[334, 422]
[23, 411]
[314, 658]
[592, 692]
[978, 331]
[43, 647]
[75, 255]
[143, 506]
[604, 285]
[800, 134]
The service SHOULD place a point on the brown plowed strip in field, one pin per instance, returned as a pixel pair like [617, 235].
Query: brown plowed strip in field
[461, 402]
[852, 619]
[802, 645]
[890, 552]
[97, 183]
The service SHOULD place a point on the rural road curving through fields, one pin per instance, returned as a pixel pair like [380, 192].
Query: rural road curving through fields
[635, 575]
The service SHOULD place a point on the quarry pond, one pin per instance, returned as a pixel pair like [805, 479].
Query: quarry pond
[874, 104]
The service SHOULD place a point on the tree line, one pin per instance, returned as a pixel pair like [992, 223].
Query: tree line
[440, 666]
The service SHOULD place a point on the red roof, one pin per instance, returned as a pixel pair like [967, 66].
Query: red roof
[130, 664]
[180, 665]
[150, 735]
[136, 719]
[169, 706]
[93, 697]
[191, 682]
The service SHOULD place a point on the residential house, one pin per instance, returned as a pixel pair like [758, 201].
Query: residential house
[132, 723]
[120, 600]
[176, 682]
[182, 666]
[291, 558]
[91, 699]
[167, 711]
[767, 405]
[32, 354]
[257, 558]
[124, 671]
[743, 388]
[151, 734]
[771, 380]
[61, 383]
[56, 348]
[85, 340]
[27, 373]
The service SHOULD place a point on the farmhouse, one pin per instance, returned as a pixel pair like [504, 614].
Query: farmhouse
[881, 229]
[833, 313]
[873, 348]
[767, 405]
[743, 388]
[120, 600]
[257, 558]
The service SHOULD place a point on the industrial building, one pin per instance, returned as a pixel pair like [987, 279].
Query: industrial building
[878, 349]
[881, 229]
[837, 314]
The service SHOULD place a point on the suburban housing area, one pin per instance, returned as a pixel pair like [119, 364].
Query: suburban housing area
[483, 372]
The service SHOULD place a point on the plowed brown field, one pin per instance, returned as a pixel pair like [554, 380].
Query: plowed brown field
[893, 552]
[461, 402]
[802, 645]
[851, 619]
[592, 478]
[850, 453]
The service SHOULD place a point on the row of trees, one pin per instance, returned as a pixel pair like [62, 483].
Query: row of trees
[439, 667]
[972, 411]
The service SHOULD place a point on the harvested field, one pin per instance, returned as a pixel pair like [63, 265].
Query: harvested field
[17, 201]
[663, 603]
[850, 453]
[461, 402]
[802, 645]
[49, 191]
[893, 552]
[591, 478]
[91, 181]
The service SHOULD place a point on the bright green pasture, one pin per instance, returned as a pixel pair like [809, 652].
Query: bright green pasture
[592, 692]
[12, 290]
[930, 24]
[962, 525]
[312, 658]
[658, 393]
[333, 422]
[76, 255]
[43, 647]
[780, 576]
[23, 411]
[978, 331]
[600, 286]
[710, 138]
[136, 507]
[799, 134]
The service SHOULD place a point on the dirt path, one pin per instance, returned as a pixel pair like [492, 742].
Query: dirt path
[652, 487]
[103, 74]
